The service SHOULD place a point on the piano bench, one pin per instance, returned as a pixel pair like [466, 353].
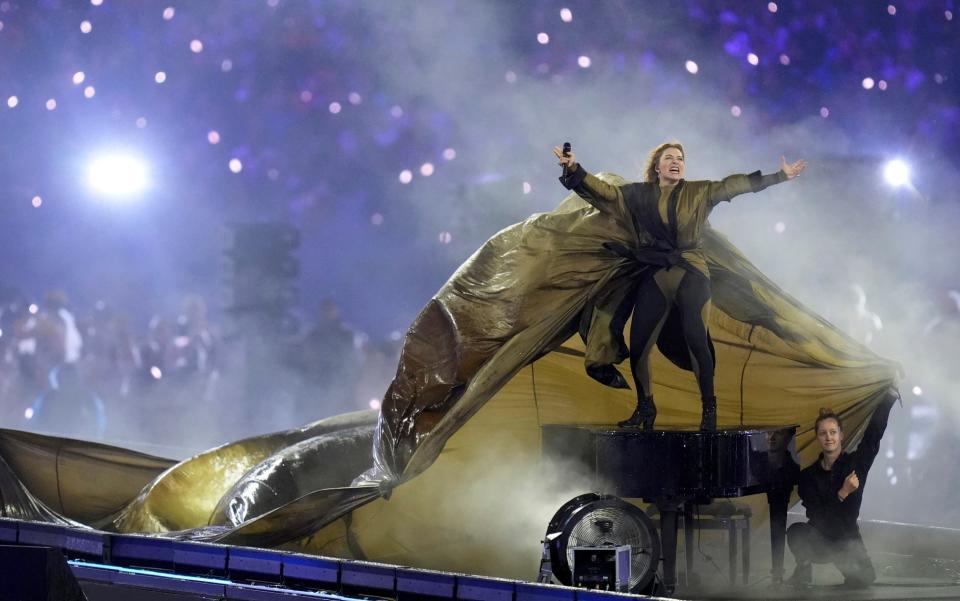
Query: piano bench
[732, 517]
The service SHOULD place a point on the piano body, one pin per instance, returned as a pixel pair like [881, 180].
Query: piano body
[678, 468]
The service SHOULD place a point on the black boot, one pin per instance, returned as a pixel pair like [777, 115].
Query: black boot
[643, 416]
[708, 420]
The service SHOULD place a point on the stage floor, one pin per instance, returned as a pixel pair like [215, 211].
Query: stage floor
[898, 577]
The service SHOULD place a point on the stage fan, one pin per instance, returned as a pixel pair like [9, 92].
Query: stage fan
[594, 520]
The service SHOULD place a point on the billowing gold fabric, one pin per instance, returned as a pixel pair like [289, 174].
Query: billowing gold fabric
[455, 480]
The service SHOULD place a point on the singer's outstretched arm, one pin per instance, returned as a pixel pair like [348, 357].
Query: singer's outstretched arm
[592, 189]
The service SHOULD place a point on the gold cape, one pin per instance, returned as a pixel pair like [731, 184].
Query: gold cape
[455, 480]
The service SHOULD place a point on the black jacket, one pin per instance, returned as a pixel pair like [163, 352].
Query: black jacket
[833, 518]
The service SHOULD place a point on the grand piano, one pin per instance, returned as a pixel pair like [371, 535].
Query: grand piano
[676, 469]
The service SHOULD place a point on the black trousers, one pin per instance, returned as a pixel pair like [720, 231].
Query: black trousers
[808, 545]
[672, 289]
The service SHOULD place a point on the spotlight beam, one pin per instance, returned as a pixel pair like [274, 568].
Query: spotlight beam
[896, 173]
[117, 175]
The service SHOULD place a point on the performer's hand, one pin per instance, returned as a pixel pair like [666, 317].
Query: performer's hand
[569, 161]
[792, 169]
[850, 484]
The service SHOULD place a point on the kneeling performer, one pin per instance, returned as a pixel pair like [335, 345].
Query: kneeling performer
[831, 490]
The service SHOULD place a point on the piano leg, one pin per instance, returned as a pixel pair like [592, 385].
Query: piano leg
[732, 551]
[778, 535]
[745, 550]
[668, 542]
[688, 544]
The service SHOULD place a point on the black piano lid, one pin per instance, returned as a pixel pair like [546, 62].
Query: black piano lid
[676, 462]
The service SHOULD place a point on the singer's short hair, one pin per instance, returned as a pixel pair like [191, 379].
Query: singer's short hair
[825, 414]
[650, 171]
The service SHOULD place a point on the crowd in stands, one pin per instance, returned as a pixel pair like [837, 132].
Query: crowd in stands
[179, 380]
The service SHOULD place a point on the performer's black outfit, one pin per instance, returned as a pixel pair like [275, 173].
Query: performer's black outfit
[832, 534]
[671, 272]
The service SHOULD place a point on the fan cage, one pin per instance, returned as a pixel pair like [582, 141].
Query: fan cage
[593, 520]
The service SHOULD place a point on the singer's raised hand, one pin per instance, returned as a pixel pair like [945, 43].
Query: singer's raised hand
[792, 169]
[569, 161]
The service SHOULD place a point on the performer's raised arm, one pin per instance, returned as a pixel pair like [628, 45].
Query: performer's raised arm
[592, 189]
[734, 185]
[870, 443]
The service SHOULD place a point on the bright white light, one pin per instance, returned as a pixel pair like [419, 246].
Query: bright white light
[784, 59]
[584, 61]
[118, 175]
[235, 165]
[335, 107]
[918, 391]
[28, 413]
[213, 137]
[160, 77]
[51, 104]
[543, 38]
[891, 10]
[406, 176]
[824, 112]
[896, 172]
[96, 2]
[374, 403]
[78, 78]
[948, 15]
[735, 111]
[89, 92]
[168, 13]
[527, 188]
[196, 46]
[445, 237]
[13, 101]
[566, 15]
[692, 67]
[772, 7]
[86, 27]
[156, 373]
[449, 154]
[867, 83]
[753, 59]
[33, 308]
[36, 201]
[426, 170]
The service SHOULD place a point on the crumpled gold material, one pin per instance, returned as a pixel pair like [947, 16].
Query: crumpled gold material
[523, 293]
[455, 479]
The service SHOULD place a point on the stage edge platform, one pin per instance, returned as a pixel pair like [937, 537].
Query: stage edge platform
[123, 566]
[914, 562]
